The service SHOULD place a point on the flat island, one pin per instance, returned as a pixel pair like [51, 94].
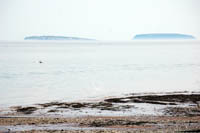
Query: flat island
[55, 38]
[162, 36]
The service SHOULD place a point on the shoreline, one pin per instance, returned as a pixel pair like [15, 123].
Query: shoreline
[94, 124]
[170, 112]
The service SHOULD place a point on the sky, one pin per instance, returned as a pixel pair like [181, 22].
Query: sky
[98, 19]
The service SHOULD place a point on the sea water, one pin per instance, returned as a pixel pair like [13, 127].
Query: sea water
[40, 72]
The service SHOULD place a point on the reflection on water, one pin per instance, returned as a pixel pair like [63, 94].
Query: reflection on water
[77, 71]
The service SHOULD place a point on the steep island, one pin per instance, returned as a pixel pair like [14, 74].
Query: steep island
[163, 36]
[55, 38]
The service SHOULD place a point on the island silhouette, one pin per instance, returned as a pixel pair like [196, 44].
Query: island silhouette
[54, 38]
[158, 36]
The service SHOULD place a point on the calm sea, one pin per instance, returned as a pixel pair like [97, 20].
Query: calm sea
[42, 72]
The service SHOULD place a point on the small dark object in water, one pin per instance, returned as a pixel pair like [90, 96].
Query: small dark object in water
[40, 62]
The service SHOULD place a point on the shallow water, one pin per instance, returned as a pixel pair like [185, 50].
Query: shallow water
[71, 72]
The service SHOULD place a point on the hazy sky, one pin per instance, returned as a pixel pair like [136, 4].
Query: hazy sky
[98, 19]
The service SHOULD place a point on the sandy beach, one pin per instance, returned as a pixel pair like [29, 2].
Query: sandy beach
[172, 112]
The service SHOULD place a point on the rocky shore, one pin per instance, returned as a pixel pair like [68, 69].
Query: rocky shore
[169, 112]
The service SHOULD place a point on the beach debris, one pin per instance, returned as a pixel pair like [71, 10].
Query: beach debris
[116, 122]
[100, 124]
[26, 110]
[78, 106]
[52, 111]
[51, 104]
[176, 104]
[182, 111]
[183, 116]
[158, 99]
[191, 131]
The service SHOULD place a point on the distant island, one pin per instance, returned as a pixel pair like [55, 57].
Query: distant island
[162, 36]
[54, 38]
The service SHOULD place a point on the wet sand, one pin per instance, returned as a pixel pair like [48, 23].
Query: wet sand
[169, 112]
[101, 124]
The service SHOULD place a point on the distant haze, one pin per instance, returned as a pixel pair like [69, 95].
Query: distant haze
[98, 19]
